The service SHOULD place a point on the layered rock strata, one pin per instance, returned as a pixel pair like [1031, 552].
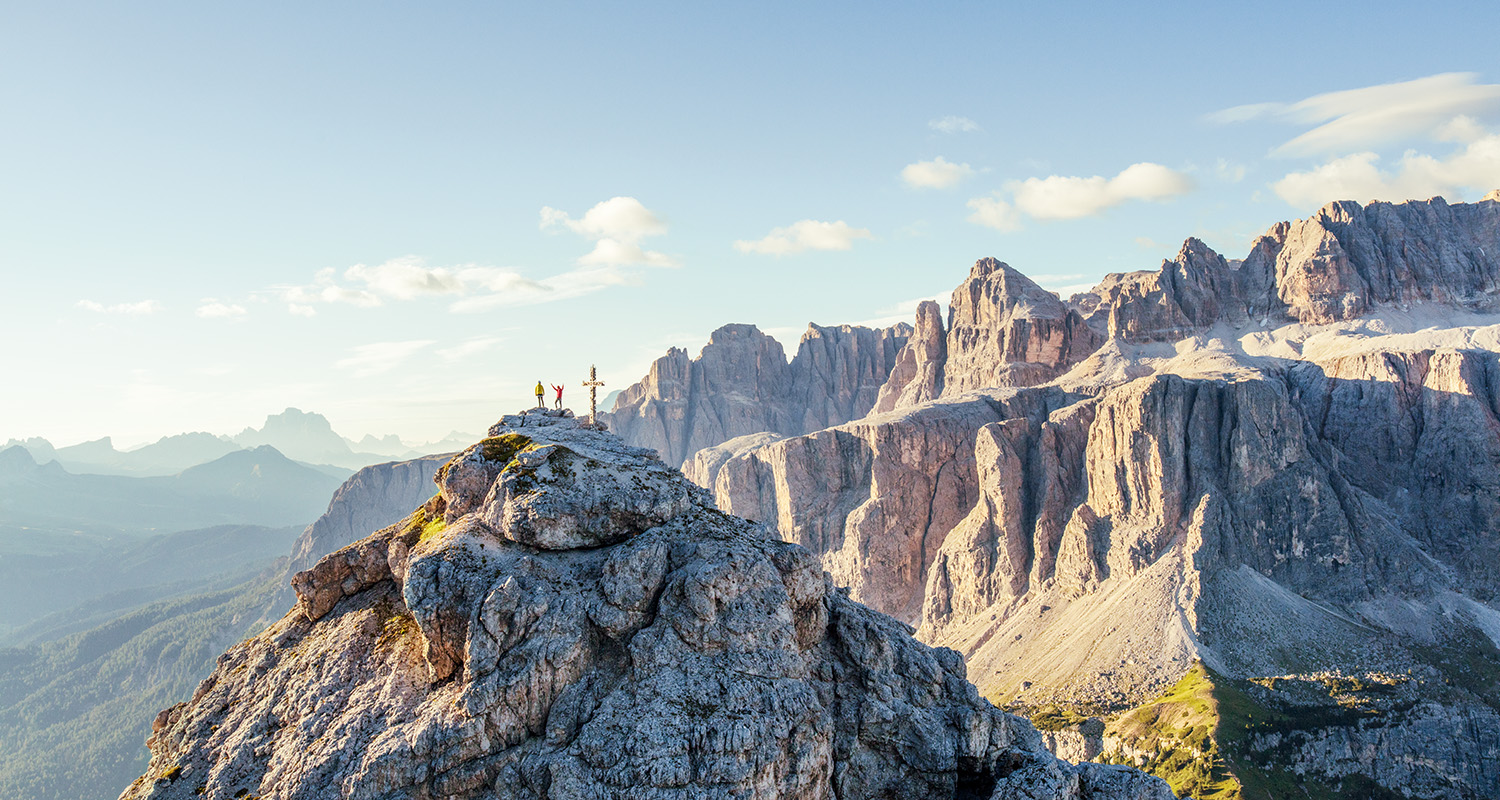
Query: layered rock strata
[1336, 265]
[1277, 465]
[568, 617]
[1003, 331]
[741, 383]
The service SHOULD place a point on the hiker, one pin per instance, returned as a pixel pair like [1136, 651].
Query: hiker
[558, 404]
[540, 393]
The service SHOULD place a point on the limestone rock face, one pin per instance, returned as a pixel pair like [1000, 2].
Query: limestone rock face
[918, 374]
[1274, 465]
[369, 500]
[1337, 265]
[689, 655]
[1348, 258]
[741, 384]
[1004, 330]
[1189, 293]
[875, 498]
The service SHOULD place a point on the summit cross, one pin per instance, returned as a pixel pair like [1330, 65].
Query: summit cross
[593, 383]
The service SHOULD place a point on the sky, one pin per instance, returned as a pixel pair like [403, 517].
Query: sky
[402, 216]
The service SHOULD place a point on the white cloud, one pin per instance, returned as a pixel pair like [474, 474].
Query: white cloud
[1463, 129]
[992, 212]
[808, 234]
[1414, 176]
[610, 252]
[622, 218]
[468, 349]
[952, 124]
[406, 278]
[143, 307]
[563, 286]
[213, 309]
[1071, 197]
[1374, 115]
[617, 226]
[379, 357]
[323, 289]
[1068, 197]
[938, 173]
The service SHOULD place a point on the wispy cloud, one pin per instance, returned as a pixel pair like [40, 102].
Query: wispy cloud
[468, 349]
[616, 226]
[563, 286]
[213, 309]
[808, 234]
[143, 307]
[953, 124]
[1069, 197]
[379, 357]
[938, 173]
[409, 278]
[1373, 115]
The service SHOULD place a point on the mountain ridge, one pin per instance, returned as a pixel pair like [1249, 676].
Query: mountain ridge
[1278, 466]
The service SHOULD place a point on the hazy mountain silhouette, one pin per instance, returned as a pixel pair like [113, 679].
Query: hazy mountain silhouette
[259, 487]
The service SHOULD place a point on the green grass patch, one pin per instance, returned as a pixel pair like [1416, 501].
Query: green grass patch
[504, 447]
[1178, 731]
[432, 528]
[1053, 718]
[423, 523]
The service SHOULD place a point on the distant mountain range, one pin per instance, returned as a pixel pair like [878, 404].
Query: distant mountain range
[101, 640]
[301, 436]
[258, 487]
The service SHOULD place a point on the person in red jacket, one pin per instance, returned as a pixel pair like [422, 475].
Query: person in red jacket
[557, 404]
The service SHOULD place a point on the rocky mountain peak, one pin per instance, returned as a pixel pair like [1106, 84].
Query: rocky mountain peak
[741, 383]
[738, 332]
[1004, 330]
[569, 617]
[996, 287]
[918, 373]
[1492, 197]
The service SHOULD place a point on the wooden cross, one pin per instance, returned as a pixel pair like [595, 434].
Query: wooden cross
[593, 383]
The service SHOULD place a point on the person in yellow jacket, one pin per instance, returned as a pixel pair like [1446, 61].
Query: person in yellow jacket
[540, 393]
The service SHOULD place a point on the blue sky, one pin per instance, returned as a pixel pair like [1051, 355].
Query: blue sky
[402, 217]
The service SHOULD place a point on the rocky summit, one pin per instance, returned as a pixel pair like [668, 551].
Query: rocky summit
[569, 617]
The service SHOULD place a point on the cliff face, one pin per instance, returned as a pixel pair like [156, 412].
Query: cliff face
[1336, 265]
[1003, 330]
[369, 500]
[1279, 466]
[741, 384]
[569, 618]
